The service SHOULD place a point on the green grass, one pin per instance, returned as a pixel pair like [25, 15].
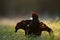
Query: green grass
[7, 33]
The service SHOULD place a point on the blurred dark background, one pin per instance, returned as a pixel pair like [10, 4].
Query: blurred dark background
[24, 8]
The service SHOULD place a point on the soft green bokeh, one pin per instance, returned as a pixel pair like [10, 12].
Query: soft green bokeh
[7, 33]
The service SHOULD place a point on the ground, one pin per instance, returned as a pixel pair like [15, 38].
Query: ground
[7, 32]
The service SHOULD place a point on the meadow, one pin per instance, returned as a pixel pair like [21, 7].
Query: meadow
[7, 32]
